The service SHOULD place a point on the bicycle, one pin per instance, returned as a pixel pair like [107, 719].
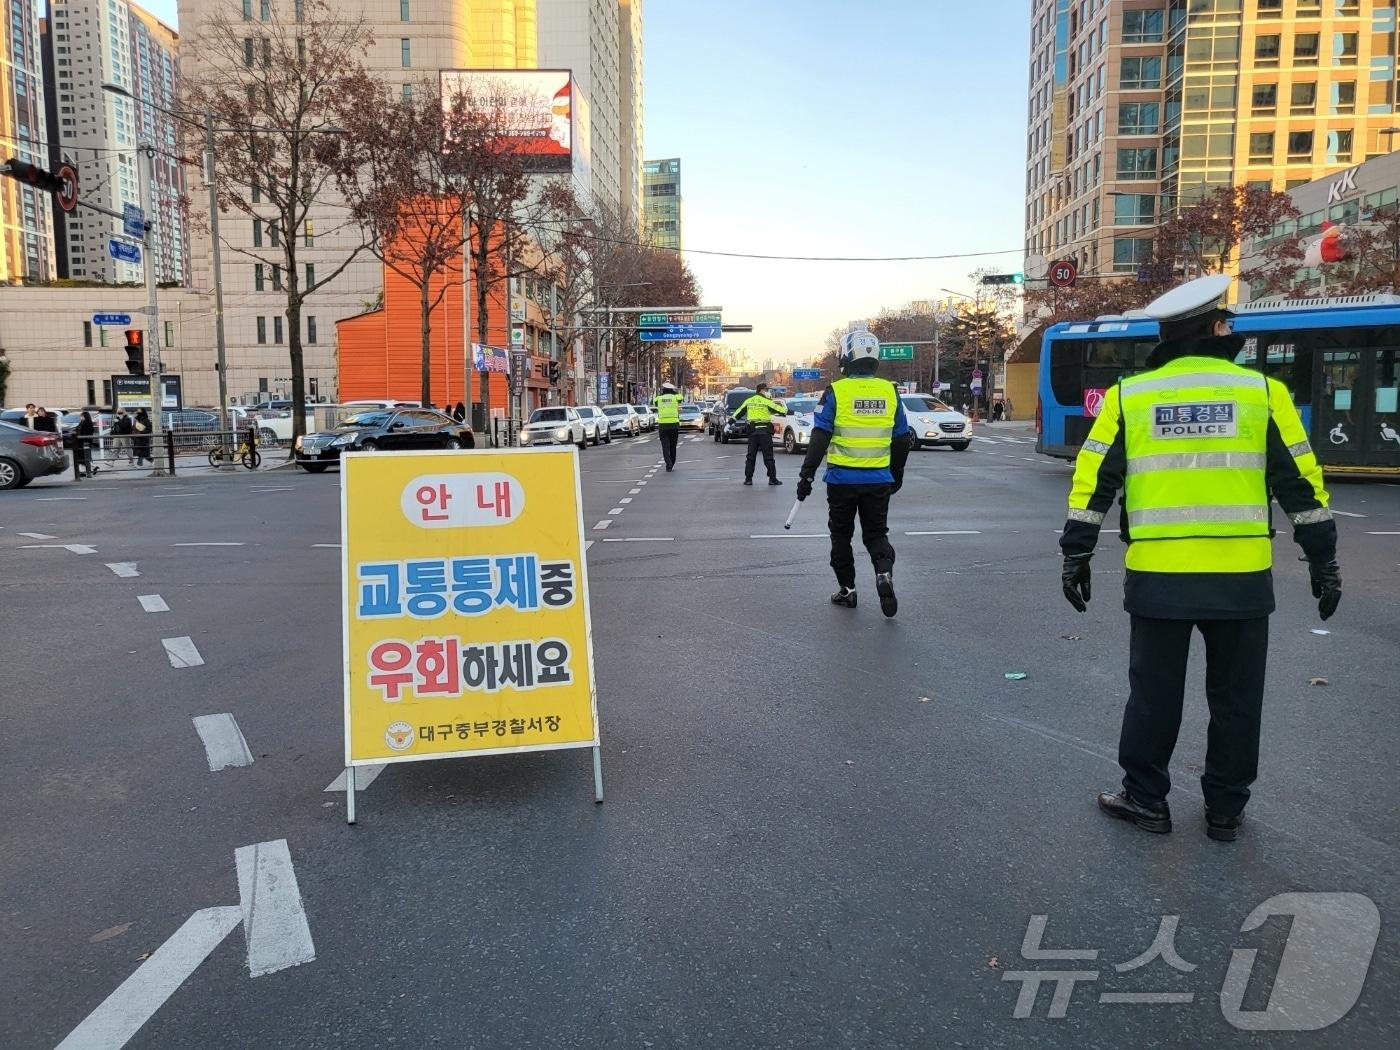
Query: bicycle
[245, 454]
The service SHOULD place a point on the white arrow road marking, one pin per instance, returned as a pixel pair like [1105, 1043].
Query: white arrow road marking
[182, 652]
[364, 777]
[137, 998]
[273, 918]
[152, 603]
[224, 745]
[125, 569]
[38, 536]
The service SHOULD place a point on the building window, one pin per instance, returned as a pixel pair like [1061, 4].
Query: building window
[1344, 97]
[87, 333]
[247, 10]
[101, 337]
[258, 281]
[1339, 146]
[1300, 146]
[1134, 209]
[1140, 72]
[1261, 147]
[265, 10]
[1137, 163]
[1305, 49]
[92, 391]
[1304, 100]
[106, 391]
[262, 331]
[1142, 27]
[1265, 100]
[408, 92]
[277, 329]
[311, 328]
[310, 276]
[403, 10]
[1139, 118]
[169, 327]
[405, 53]
[1270, 8]
[1130, 253]
[274, 234]
[276, 278]
[257, 233]
[248, 52]
[1266, 49]
[257, 192]
[309, 234]
[1344, 48]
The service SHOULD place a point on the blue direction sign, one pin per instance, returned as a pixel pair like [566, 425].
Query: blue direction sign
[123, 252]
[806, 373]
[117, 320]
[133, 220]
[681, 331]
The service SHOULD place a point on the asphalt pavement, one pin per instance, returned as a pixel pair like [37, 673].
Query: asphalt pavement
[822, 828]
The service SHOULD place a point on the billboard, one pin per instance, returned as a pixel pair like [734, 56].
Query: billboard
[536, 109]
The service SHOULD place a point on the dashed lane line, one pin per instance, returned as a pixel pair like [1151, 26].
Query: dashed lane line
[633, 492]
[177, 495]
[327, 546]
[1383, 534]
[606, 523]
[37, 536]
[125, 569]
[273, 918]
[788, 536]
[285, 488]
[182, 652]
[224, 745]
[625, 499]
[364, 777]
[58, 499]
[206, 544]
[617, 510]
[641, 539]
[1346, 513]
[947, 532]
[76, 548]
[152, 603]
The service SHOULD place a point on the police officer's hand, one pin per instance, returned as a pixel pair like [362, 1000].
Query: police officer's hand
[804, 488]
[1326, 585]
[1074, 579]
[898, 484]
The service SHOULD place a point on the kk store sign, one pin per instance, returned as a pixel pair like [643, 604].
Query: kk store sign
[465, 594]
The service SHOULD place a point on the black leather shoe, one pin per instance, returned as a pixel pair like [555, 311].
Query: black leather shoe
[846, 597]
[774, 481]
[1150, 816]
[1222, 828]
[748, 481]
[884, 587]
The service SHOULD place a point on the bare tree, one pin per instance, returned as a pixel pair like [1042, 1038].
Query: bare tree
[278, 91]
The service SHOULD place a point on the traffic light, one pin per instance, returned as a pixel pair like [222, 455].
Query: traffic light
[135, 352]
[554, 373]
[33, 175]
[1004, 278]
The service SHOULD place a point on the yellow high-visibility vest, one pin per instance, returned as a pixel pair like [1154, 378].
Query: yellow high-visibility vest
[668, 408]
[866, 407]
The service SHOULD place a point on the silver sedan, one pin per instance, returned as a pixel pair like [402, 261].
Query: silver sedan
[27, 454]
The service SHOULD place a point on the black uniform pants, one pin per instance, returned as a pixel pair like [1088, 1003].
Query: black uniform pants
[872, 504]
[670, 433]
[760, 439]
[1236, 654]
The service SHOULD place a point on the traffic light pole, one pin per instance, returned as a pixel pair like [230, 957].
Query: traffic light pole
[209, 178]
[148, 173]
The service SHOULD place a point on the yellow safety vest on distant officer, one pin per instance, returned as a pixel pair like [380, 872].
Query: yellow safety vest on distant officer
[760, 409]
[1196, 496]
[668, 408]
[866, 408]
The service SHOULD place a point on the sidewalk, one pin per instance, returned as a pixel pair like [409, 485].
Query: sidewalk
[186, 467]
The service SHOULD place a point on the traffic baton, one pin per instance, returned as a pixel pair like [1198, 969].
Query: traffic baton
[792, 513]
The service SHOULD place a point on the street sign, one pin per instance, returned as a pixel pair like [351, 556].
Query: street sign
[896, 351]
[465, 602]
[66, 196]
[680, 317]
[123, 252]
[604, 389]
[133, 220]
[681, 331]
[976, 374]
[806, 373]
[977, 386]
[119, 320]
[517, 337]
[1063, 273]
[133, 392]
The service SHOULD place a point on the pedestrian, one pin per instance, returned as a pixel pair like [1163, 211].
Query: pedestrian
[860, 428]
[759, 410]
[30, 411]
[668, 422]
[83, 437]
[120, 432]
[997, 411]
[1006, 409]
[44, 422]
[1198, 444]
[141, 437]
[459, 413]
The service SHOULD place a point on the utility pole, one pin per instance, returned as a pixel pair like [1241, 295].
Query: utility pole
[148, 172]
[226, 462]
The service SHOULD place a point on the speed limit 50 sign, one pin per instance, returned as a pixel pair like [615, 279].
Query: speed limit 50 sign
[1063, 273]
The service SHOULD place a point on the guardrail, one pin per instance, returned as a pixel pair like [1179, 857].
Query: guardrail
[174, 450]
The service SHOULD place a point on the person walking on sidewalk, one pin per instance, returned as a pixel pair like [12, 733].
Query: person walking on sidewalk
[84, 435]
[141, 437]
[668, 422]
[120, 433]
[760, 410]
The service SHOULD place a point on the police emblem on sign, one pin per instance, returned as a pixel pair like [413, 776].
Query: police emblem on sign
[1198, 419]
[869, 406]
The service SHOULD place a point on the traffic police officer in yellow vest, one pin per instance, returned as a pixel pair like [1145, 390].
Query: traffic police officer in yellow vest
[668, 422]
[860, 428]
[760, 410]
[1197, 444]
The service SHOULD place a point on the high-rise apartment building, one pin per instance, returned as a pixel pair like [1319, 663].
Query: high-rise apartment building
[1137, 106]
[26, 224]
[662, 188]
[601, 41]
[91, 43]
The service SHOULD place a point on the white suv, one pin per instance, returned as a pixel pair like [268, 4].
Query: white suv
[595, 424]
[559, 425]
[934, 423]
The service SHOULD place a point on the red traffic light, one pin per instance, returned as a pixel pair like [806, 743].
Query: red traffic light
[134, 336]
[63, 183]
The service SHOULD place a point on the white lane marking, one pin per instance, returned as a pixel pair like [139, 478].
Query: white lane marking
[38, 536]
[76, 548]
[630, 492]
[224, 745]
[176, 495]
[617, 510]
[125, 569]
[152, 603]
[949, 532]
[273, 919]
[586, 545]
[136, 999]
[788, 536]
[642, 482]
[287, 488]
[1383, 534]
[603, 524]
[641, 539]
[364, 777]
[58, 499]
[1346, 513]
[206, 545]
[182, 652]
[329, 546]
[625, 499]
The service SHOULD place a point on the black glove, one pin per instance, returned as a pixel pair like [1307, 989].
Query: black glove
[1326, 585]
[1074, 579]
[804, 488]
[898, 484]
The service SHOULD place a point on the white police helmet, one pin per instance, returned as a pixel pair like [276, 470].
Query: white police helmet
[668, 388]
[859, 344]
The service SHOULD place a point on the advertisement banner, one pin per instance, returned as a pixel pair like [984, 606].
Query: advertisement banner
[133, 392]
[534, 109]
[465, 605]
[490, 358]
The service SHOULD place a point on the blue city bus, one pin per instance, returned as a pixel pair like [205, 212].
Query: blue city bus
[1340, 359]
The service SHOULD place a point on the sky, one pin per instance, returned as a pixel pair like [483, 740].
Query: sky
[835, 127]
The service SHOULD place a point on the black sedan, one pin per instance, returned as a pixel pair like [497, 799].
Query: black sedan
[378, 429]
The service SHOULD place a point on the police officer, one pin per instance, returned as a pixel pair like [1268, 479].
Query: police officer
[668, 422]
[1198, 444]
[760, 410]
[860, 428]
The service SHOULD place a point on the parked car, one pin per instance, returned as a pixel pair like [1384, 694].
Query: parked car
[26, 455]
[596, 425]
[623, 420]
[558, 425]
[647, 415]
[387, 429]
[934, 423]
[372, 403]
[692, 418]
[794, 430]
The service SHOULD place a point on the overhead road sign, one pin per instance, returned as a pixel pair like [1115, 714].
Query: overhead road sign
[656, 320]
[896, 351]
[117, 320]
[133, 220]
[123, 252]
[681, 332]
[806, 373]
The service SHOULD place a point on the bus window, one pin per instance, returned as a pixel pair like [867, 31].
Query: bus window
[1287, 357]
[1108, 360]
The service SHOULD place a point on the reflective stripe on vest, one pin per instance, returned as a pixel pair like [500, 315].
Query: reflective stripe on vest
[864, 425]
[668, 408]
[758, 409]
[1198, 461]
